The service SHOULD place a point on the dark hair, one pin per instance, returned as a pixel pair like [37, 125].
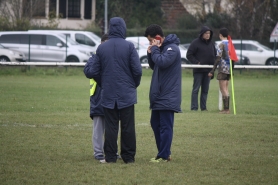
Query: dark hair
[153, 30]
[104, 37]
[224, 32]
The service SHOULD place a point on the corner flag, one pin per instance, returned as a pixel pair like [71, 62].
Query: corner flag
[232, 51]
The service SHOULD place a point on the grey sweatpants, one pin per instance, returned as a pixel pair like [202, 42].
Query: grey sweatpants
[98, 135]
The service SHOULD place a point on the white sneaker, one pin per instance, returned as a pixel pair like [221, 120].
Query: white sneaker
[102, 161]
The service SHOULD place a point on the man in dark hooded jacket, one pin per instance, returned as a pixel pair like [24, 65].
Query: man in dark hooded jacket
[165, 92]
[117, 69]
[201, 51]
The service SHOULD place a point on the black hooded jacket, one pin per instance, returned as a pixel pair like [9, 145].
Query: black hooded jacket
[202, 51]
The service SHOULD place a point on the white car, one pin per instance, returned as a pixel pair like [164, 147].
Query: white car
[257, 53]
[8, 55]
[42, 46]
[141, 44]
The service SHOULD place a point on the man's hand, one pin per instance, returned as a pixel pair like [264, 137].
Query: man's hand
[156, 43]
[210, 74]
[149, 49]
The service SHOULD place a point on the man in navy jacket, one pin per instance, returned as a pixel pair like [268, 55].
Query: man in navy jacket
[117, 69]
[165, 92]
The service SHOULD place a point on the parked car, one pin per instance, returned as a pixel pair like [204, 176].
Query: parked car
[8, 55]
[142, 43]
[45, 46]
[186, 45]
[82, 37]
[257, 53]
[183, 51]
[142, 51]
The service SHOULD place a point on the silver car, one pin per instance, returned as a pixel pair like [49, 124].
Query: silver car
[8, 55]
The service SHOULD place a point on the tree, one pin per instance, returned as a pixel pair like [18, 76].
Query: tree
[20, 12]
[252, 17]
[136, 13]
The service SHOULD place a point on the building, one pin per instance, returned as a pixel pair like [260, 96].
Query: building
[74, 14]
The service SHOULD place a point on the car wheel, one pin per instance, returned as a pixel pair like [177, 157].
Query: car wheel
[4, 59]
[72, 59]
[144, 60]
[272, 62]
[246, 61]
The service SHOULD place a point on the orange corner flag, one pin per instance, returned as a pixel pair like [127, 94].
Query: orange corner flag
[232, 51]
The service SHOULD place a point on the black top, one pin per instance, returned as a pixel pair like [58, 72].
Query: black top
[202, 51]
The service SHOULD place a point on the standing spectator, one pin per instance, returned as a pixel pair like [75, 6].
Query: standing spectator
[202, 52]
[96, 111]
[223, 59]
[165, 91]
[117, 69]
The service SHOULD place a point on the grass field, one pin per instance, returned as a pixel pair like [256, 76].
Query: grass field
[45, 133]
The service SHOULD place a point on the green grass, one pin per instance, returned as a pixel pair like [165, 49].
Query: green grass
[45, 133]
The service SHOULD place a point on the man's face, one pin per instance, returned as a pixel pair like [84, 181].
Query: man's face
[206, 35]
[150, 39]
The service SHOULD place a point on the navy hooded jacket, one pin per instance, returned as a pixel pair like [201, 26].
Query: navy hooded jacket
[95, 100]
[203, 51]
[165, 90]
[116, 68]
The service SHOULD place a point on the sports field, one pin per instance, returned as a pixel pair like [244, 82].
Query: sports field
[45, 133]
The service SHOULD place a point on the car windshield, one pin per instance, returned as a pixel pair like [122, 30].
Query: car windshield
[97, 38]
[182, 47]
[1, 46]
[265, 47]
[136, 45]
[68, 39]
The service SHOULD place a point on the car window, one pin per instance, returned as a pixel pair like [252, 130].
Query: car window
[95, 37]
[37, 39]
[83, 39]
[52, 40]
[12, 39]
[15, 39]
[67, 39]
[251, 47]
[237, 46]
[24, 39]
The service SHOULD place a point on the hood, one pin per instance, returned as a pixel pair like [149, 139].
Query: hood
[204, 30]
[117, 28]
[171, 38]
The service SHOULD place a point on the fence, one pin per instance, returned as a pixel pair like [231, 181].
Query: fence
[190, 66]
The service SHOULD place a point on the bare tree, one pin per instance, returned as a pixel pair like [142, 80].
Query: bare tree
[255, 6]
[20, 12]
[217, 6]
[264, 18]
[122, 8]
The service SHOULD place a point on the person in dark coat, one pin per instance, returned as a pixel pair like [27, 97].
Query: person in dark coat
[165, 91]
[96, 110]
[117, 69]
[202, 52]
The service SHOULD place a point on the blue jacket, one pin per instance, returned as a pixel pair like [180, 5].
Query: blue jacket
[165, 90]
[95, 100]
[117, 68]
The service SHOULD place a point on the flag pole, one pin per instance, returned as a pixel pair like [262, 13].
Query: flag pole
[233, 93]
